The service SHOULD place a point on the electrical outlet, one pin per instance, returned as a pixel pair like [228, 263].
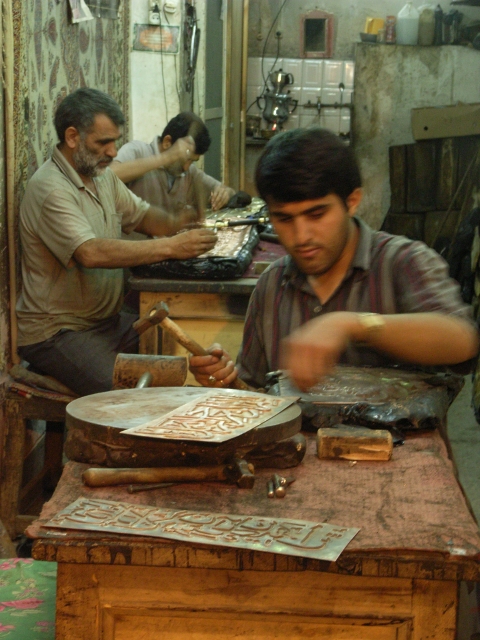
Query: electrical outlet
[154, 12]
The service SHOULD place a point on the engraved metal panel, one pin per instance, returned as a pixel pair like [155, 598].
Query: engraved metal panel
[273, 535]
[230, 241]
[351, 385]
[214, 417]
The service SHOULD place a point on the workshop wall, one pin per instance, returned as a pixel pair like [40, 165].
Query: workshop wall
[156, 77]
[390, 81]
[349, 21]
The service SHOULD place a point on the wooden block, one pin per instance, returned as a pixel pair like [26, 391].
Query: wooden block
[398, 177]
[447, 165]
[411, 225]
[354, 443]
[421, 178]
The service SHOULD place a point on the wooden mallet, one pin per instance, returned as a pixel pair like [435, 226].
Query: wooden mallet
[159, 315]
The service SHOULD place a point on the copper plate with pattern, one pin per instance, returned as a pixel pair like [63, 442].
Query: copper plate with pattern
[257, 533]
[214, 417]
[96, 426]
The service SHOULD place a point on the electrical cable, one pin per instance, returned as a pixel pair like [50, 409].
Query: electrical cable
[163, 71]
[265, 46]
[174, 65]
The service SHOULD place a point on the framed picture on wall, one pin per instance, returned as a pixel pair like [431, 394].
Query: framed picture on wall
[316, 34]
[164, 39]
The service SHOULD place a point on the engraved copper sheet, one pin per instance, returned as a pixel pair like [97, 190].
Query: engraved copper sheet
[232, 239]
[228, 213]
[274, 535]
[214, 417]
[376, 397]
[350, 385]
[230, 242]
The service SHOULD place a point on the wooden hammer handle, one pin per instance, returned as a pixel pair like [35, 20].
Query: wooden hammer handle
[194, 348]
[108, 477]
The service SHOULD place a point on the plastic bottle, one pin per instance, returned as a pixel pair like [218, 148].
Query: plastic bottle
[438, 26]
[407, 25]
[426, 24]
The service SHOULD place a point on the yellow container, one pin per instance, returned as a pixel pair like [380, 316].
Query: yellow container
[373, 25]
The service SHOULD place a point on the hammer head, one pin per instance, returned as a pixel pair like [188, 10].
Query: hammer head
[158, 313]
[241, 472]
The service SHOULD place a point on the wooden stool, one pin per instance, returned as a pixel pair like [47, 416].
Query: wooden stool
[18, 410]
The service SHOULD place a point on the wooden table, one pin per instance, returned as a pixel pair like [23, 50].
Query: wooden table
[209, 311]
[397, 579]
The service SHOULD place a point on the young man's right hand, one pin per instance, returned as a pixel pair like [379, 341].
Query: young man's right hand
[190, 244]
[181, 151]
[214, 370]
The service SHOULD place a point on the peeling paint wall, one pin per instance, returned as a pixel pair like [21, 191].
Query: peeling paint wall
[390, 81]
[155, 77]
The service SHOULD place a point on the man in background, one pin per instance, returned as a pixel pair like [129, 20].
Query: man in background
[163, 173]
[70, 319]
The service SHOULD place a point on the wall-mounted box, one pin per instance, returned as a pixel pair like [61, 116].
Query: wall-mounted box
[446, 122]
[316, 34]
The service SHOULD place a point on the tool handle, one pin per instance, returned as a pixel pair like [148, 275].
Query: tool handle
[183, 338]
[99, 477]
[195, 349]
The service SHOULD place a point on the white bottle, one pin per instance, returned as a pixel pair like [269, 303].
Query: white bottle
[407, 25]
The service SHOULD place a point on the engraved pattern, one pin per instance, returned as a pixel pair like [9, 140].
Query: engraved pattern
[215, 417]
[274, 535]
[230, 242]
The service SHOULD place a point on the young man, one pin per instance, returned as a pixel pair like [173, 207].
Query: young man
[71, 220]
[162, 172]
[345, 293]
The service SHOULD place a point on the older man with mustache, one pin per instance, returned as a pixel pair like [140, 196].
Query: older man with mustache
[72, 216]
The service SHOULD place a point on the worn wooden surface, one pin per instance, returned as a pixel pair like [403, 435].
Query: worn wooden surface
[207, 310]
[398, 178]
[95, 424]
[421, 178]
[12, 449]
[413, 519]
[396, 580]
[120, 603]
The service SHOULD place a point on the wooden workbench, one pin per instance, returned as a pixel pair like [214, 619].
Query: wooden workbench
[208, 310]
[397, 579]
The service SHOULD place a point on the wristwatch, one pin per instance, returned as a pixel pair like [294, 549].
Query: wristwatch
[371, 323]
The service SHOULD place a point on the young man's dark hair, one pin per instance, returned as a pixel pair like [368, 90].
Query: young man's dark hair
[188, 123]
[79, 109]
[305, 164]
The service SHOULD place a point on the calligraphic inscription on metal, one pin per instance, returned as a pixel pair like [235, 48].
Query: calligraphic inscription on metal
[274, 535]
[230, 241]
[214, 417]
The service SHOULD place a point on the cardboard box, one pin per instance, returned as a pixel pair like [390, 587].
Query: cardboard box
[446, 122]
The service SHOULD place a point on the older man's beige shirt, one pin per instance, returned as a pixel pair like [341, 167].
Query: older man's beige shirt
[57, 215]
